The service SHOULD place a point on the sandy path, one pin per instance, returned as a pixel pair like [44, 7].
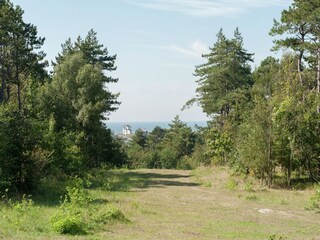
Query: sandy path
[172, 205]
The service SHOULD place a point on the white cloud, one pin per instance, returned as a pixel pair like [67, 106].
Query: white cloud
[200, 48]
[196, 49]
[208, 8]
[175, 65]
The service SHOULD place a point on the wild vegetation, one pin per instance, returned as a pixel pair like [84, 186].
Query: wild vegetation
[52, 123]
[160, 203]
[267, 118]
[264, 125]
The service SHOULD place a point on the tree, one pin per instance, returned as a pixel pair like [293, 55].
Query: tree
[225, 77]
[93, 52]
[79, 102]
[300, 23]
[22, 154]
[20, 65]
[140, 137]
[178, 142]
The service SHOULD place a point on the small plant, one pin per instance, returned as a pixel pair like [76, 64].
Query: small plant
[109, 213]
[252, 198]
[5, 197]
[314, 201]
[23, 206]
[284, 202]
[207, 184]
[69, 219]
[276, 237]
[76, 193]
[231, 184]
[249, 186]
[78, 214]
[68, 224]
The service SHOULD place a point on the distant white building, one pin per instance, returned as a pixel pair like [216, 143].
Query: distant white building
[126, 130]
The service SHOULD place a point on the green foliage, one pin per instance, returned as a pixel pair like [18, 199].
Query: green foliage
[77, 195]
[21, 215]
[172, 148]
[75, 104]
[78, 213]
[22, 66]
[218, 145]
[249, 186]
[276, 237]
[252, 198]
[109, 213]
[224, 75]
[231, 184]
[70, 219]
[68, 224]
[23, 159]
[314, 201]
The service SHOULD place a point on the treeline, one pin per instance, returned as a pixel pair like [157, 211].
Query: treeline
[52, 123]
[262, 120]
[269, 118]
[178, 147]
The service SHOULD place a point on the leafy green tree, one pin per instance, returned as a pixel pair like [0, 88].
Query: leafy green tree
[93, 52]
[300, 26]
[289, 111]
[77, 101]
[218, 145]
[223, 92]
[23, 157]
[256, 134]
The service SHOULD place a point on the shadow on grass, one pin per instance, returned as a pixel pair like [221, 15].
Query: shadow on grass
[124, 181]
[52, 191]
[298, 183]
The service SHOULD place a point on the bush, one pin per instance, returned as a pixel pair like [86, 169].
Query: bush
[249, 186]
[76, 193]
[231, 184]
[78, 212]
[69, 219]
[70, 224]
[314, 201]
[252, 198]
[109, 213]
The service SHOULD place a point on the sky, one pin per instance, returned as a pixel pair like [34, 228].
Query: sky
[158, 44]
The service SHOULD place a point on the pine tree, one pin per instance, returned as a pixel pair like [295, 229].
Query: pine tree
[226, 76]
[19, 60]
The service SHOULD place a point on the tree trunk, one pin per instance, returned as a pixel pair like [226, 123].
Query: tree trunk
[269, 158]
[18, 88]
[318, 79]
[289, 171]
[3, 77]
[300, 75]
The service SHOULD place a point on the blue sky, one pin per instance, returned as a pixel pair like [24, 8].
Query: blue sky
[158, 43]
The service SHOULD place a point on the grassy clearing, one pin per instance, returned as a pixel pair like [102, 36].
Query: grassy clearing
[166, 204]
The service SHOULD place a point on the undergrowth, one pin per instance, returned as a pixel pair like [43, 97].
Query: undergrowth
[314, 201]
[78, 214]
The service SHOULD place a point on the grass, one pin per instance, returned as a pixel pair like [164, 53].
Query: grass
[167, 204]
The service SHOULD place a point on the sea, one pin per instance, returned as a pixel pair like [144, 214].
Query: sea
[116, 127]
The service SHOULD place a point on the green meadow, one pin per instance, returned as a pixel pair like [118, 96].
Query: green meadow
[159, 204]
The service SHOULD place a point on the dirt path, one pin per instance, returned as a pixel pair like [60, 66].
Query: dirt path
[173, 205]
